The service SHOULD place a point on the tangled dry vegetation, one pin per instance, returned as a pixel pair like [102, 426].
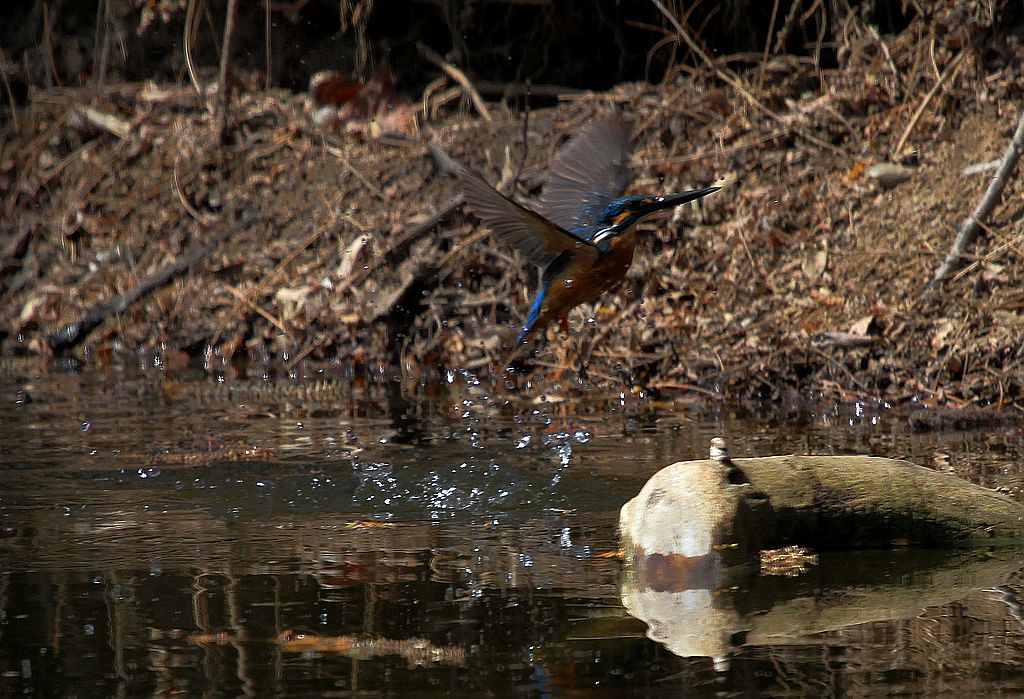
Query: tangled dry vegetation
[807, 275]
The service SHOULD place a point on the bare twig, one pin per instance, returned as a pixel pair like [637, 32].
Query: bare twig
[257, 308]
[787, 27]
[458, 76]
[9, 92]
[191, 22]
[225, 59]
[526, 139]
[950, 70]
[767, 46]
[888, 57]
[48, 45]
[458, 250]
[86, 183]
[843, 340]
[103, 19]
[268, 79]
[176, 186]
[317, 342]
[973, 225]
[991, 254]
[428, 93]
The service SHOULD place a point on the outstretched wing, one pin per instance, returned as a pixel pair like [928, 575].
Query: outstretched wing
[588, 174]
[540, 240]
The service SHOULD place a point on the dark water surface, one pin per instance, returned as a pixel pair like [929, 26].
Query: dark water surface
[177, 535]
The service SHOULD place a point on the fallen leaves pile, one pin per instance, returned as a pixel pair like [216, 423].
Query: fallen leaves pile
[807, 275]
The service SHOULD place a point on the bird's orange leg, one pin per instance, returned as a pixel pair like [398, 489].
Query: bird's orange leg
[564, 321]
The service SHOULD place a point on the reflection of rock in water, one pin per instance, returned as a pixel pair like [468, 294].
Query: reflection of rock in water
[844, 590]
[689, 623]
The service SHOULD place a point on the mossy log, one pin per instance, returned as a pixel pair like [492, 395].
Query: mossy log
[696, 509]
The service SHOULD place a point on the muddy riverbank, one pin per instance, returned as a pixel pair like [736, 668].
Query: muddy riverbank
[807, 276]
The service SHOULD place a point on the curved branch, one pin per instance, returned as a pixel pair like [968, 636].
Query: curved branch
[973, 225]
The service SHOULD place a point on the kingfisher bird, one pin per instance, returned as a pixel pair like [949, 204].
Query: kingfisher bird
[584, 232]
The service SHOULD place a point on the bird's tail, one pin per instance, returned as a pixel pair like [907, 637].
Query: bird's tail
[533, 316]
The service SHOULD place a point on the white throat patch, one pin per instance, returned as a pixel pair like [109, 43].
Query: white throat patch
[603, 235]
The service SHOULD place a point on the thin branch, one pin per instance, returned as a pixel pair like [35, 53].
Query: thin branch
[526, 134]
[10, 93]
[188, 36]
[253, 306]
[48, 45]
[225, 59]
[458, 76]
[767, 46]
[972, 226]
[888, 56]
[787, 27]
[105, 12]
[267, 39]
[950, 70]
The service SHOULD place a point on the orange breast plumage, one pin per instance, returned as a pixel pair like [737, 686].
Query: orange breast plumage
[579, 283]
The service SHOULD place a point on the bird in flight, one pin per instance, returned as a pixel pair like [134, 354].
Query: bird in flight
[583, 233]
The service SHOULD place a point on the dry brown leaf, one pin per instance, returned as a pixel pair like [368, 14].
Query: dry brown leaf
[862, 326]
[814, 264]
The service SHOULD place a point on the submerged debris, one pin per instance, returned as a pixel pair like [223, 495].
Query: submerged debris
[788, 561]
[415, 651]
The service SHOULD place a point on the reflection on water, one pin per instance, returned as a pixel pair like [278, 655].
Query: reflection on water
[353, 535]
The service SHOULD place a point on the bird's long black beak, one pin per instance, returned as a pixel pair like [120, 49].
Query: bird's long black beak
[671, 200]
